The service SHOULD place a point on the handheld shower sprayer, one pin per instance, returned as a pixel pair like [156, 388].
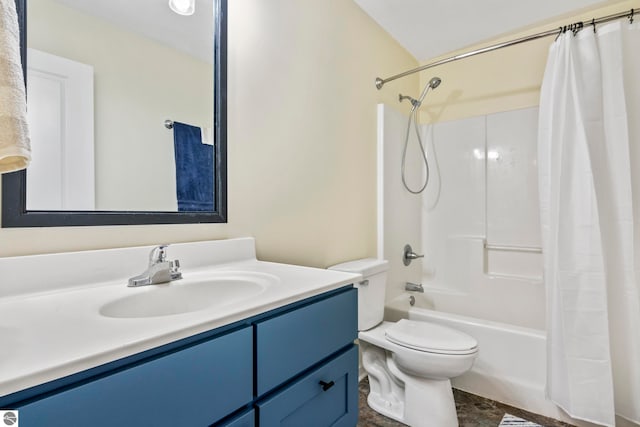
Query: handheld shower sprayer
[416, 103]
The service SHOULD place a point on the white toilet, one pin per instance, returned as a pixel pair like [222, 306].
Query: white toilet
[409, 363]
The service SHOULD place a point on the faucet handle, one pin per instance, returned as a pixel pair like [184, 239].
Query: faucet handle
[409, 255]
[174, 269]
[158, 254]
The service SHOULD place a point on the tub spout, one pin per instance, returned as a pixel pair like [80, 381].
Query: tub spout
[413, 287]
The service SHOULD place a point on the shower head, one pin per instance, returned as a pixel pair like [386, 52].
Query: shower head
[433, 83]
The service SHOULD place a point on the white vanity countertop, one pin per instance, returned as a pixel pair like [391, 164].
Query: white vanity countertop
[55, 329]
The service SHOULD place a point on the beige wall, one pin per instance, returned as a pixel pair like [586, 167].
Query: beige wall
[503, 80]
[302, 138]
[138, 84]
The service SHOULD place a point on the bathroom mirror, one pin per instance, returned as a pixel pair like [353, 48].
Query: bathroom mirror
[127, 114]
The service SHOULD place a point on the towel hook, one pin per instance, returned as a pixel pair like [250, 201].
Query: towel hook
[168, 124]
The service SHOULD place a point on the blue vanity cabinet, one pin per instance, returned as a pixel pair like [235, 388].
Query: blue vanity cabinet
[196, 386]
[295, 366]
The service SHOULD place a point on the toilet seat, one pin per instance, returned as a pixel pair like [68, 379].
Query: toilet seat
[431, 338]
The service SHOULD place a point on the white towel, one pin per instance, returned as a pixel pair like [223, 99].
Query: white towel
[207, 136]
[15, 150]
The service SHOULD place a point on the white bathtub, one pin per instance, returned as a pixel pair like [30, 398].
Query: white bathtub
[511, 363]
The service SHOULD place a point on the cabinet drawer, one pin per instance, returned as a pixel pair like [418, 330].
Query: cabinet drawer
[195, 386]
[288, 344]
[305, 403]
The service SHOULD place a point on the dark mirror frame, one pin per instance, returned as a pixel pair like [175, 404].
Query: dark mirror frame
[14, 189]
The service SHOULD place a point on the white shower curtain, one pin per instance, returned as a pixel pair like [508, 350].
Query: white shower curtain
[589, 180]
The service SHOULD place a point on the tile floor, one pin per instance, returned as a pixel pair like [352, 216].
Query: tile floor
[473, 411]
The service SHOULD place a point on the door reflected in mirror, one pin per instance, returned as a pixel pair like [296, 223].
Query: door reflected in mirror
[103, 77]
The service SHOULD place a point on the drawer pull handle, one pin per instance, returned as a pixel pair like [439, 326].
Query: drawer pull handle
[326, 386]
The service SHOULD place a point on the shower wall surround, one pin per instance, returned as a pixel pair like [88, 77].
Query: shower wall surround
[482, 191]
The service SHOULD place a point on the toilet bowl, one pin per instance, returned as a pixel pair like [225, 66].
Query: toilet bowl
[409, 363]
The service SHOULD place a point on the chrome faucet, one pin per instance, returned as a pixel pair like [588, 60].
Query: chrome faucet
[413, 287]
[160, 270]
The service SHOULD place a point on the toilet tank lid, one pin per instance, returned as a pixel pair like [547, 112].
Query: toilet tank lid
[365, 266]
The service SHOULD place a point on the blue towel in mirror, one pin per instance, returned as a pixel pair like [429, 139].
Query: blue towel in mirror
[194, 169]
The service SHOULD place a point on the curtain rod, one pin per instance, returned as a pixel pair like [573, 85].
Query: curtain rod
[556, 31]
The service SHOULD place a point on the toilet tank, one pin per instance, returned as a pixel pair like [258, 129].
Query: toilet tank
[371, 289]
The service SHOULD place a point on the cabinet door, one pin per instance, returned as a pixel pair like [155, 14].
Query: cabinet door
[288, 344]
[192, 387]
[325, 397]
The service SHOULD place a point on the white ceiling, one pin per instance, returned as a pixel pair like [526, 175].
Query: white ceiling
[430, 28]
[426, 28]
[153, 18]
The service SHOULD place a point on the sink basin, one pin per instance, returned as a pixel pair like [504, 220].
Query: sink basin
[188, 295]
